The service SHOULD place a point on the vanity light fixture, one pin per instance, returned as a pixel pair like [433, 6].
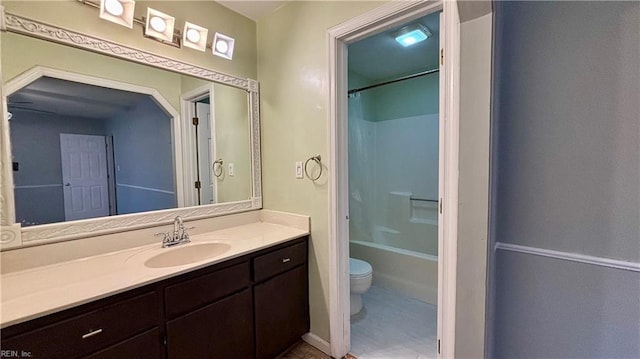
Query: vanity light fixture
[118, 11]
[159, 25]
[223, 46]
[412, 34]
[194, 36]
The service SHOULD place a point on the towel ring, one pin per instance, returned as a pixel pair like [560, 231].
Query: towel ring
[317, 159]
[217, 171]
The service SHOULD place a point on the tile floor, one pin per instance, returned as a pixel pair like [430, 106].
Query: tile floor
[390, 326]
[303, 350]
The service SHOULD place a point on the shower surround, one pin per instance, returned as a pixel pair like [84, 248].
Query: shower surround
[393, 185]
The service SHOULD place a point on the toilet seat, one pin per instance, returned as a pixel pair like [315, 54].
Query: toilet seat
[359, 268]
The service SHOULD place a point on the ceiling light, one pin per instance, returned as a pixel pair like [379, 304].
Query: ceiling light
[194, 36]
[118, 11]
[223, 46]
[412, 34]
[159, 25]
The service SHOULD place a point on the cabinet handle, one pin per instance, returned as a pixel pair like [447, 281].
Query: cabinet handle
[92, 333]
[285, 260]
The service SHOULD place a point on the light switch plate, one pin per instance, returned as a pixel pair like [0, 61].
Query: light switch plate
[231, 172]
[299, 169]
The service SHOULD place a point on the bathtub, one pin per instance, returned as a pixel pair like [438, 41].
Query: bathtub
[411, 273]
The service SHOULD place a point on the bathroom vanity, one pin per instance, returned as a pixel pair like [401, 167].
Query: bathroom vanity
[101, 285]
[249, 302]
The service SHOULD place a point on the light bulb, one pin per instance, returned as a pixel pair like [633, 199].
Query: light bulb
[222, 46]
[193, 35]
[158, 24]
[114, 7]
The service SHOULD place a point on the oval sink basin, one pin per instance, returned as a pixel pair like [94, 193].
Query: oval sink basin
[186, 254]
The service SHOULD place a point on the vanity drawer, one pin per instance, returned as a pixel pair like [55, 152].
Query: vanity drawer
[89, 332]
[278, 261]
[194, 293]
[143, 346]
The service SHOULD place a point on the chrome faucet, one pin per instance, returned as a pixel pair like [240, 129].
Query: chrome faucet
[179, 235]
[178, 227]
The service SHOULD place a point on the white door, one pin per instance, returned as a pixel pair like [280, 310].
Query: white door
[84, 176]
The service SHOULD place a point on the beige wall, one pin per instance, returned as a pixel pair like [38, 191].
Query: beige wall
[73, 15]
[293, 72]
[232, 122]
[294, 82]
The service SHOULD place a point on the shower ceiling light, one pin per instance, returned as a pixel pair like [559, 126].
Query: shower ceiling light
[159, 25]
[223, 46]
[118, 11]
[194, 36]
[412, 34]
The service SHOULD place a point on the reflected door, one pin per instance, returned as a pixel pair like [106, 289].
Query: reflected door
[84, 175]
[206, 153]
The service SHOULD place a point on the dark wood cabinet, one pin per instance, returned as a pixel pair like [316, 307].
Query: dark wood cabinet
[142, 346]
[222, 330]
[82, 333]
[255, 306]
[282, 312]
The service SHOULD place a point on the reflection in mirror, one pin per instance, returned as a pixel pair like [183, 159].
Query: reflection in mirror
[220, 134]
[82, 151]
[151, 159]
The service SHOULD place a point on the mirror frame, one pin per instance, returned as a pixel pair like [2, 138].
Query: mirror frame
[11, 233]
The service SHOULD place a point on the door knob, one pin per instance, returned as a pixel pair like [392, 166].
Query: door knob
[67, 184]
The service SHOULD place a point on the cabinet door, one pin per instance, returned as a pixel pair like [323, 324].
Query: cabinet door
[282, 312]
[221, 330]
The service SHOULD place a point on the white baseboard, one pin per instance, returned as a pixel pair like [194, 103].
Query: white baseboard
[317, 342]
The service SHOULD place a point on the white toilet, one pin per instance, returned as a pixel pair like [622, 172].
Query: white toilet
[360, 275]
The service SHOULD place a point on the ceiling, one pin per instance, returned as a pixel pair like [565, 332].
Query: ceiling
[255, 9]
[380, 57]
[67, 98]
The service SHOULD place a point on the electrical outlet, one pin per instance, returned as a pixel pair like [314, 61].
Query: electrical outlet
[299, 169]
[231, 172]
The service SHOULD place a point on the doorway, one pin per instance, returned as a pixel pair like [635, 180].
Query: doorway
[393, 125]
[205, 168]
[387, 17]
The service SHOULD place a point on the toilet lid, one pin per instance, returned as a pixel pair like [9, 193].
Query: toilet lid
[359, 268]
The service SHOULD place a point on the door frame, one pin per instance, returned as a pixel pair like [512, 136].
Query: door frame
[379, 19]
[186, 101]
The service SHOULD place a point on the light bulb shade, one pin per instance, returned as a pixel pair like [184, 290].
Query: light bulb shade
[223, 46]
[159, 25]
[118, 11]
[194, 36]
[412, 34]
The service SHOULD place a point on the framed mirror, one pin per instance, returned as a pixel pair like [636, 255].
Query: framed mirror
[99, 137]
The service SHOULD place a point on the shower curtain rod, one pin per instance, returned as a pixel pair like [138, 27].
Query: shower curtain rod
[408, 77]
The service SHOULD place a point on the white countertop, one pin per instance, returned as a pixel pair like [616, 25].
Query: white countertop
[39, 291]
